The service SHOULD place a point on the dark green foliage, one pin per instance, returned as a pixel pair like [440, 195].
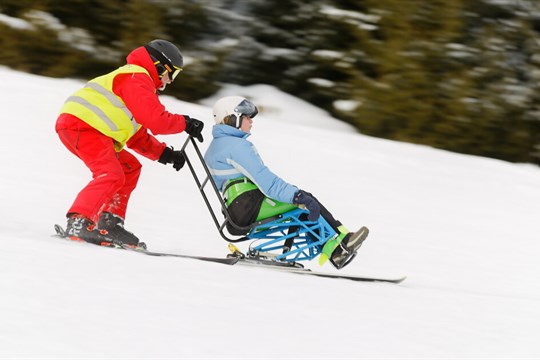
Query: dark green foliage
[453, 75]
[462, 75]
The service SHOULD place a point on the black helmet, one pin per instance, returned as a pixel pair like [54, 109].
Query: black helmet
[166, 57]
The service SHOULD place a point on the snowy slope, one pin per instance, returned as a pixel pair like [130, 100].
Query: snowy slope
[465, 230]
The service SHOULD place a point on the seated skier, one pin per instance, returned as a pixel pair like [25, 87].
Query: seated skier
[252, 191]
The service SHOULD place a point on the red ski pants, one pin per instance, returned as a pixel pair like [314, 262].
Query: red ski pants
[114, 175]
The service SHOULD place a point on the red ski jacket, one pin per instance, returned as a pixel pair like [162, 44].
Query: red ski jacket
[139, 93]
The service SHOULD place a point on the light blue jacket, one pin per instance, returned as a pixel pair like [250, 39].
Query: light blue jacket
[230, 156]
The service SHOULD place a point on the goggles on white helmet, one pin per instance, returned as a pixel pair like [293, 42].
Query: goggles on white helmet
[230, 109]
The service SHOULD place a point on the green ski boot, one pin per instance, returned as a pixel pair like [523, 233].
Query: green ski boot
[346, 250]
[332, 244]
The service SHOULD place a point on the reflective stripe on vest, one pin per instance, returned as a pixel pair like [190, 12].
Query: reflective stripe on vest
[98, 106]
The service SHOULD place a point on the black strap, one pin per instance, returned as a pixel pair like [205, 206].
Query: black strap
[158, 55]
[234, 182]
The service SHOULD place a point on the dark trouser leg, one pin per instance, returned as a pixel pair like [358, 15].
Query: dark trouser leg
[335, 224]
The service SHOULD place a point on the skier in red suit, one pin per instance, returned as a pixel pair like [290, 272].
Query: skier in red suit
[111, 112]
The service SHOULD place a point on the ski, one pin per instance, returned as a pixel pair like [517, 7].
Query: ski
[60, 232]
[396, 280]
[238, 258]
[263, 260]
[303, 271]
[220, 260]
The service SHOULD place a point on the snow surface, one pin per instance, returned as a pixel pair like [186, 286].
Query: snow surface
[464, 229]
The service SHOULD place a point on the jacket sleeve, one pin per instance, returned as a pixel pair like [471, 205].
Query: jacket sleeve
[246, 159]
[145, 144]
[138, 93]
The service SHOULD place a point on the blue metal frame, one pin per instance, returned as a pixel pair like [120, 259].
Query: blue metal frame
[272, 233]
[309, 238]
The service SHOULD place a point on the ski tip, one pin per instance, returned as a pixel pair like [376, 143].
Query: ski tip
[396, 280]
[59, 230]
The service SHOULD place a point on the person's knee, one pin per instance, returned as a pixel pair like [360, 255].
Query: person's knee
[116, 178]
[135, 169]
[132, 172]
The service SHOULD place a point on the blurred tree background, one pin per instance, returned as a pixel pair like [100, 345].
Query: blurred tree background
[461, 75]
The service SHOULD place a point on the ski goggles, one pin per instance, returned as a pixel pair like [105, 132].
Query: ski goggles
[165, 68]
[163, 64]
[247, 108]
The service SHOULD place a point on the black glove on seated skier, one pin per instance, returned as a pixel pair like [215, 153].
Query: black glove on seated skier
[194, 127]
[170, 156]
[304, 198]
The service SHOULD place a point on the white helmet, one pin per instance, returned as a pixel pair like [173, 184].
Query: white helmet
[229, 110]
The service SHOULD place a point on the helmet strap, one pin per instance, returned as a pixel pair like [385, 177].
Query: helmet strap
[234, 120]
[158, 55]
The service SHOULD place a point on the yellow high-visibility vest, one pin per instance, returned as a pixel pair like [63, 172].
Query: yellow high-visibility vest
[99, 107]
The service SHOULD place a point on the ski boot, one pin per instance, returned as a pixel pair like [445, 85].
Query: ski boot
[80, 228]
[341, 250]
[114, 226]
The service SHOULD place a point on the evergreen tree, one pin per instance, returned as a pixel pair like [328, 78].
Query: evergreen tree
[462, 75]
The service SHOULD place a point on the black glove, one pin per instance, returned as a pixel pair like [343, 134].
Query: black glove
[194, 127]
[304, 198]
[169, 156]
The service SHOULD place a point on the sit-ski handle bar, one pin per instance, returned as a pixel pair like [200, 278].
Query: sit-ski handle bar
[201, 186]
